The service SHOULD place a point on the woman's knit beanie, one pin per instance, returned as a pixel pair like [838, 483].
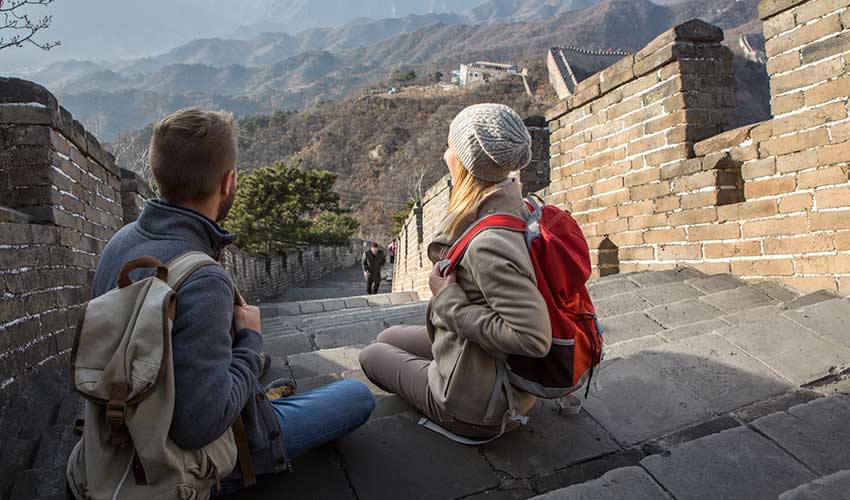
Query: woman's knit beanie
[491, 141]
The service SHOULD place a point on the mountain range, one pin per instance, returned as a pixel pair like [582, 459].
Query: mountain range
[279, 71]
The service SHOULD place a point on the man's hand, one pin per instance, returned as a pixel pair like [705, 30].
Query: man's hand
[246, 317]
[438, 282]
[365, 276]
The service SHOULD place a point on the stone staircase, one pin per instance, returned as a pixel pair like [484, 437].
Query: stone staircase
[710, 388]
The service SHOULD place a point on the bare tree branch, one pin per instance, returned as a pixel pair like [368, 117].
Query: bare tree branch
[18, 29]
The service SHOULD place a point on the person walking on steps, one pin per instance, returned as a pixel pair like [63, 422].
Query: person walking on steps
[373, 260]
[489, 307]
[216, 346]
[392, 250]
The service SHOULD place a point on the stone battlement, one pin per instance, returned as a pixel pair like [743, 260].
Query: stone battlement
[641, 155]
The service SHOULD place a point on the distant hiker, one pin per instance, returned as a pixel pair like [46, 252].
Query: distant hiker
[373, 260]
[173, 402]
[391, 251]
[452, 370]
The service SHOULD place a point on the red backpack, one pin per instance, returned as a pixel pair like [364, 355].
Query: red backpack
[561, 262]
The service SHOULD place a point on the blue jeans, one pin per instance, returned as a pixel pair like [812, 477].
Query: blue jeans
[322, 415]
[315, 418]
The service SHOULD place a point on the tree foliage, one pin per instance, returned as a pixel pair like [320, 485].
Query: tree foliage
[17, 28]
[402, 76]
[280, 207]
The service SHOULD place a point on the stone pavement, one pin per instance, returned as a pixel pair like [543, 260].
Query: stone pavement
[346, 282]
[710, 388]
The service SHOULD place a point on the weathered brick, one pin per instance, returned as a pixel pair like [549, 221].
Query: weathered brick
[826, 48]
[802, 36]
[795, 203]
[727, 231]
[841, 239]
[823, 177]
[797, 161]
[678, 152]
[795, 224]
[700, 199]
[825, 264]
[664, 235]
[647, 221]
[758, 168]
[809, 284]
[769, 187]
[834, 153]
[840, 132]
[667, 203]
[642, 177]
[777, 24]
[817, 242]
[832, 198]
[695, 181]
[733, 249]
[786, 103]
[806, 76]
[785, 62]
[648, 191]
[814, 9]
[693, 216]
[826, 91]
[681, 168]
[807, 119]
[637, 253]
[608, 185]
[774, 267]
[679, 252]
[795, 142]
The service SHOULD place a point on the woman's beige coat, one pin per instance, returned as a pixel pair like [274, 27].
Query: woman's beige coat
[493, 310]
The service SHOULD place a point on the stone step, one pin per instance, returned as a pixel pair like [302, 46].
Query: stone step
[798, 453]
[273, 309]
[358, 314]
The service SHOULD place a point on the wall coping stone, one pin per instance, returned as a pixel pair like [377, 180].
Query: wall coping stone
[15, 216]
[724, 140]
[133, 182]
[676, 43]
[770, 8]
[28, 103]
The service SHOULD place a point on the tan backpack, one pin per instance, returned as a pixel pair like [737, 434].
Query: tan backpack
[121, 364]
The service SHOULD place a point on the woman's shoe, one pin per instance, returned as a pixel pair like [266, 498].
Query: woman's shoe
[281, 388]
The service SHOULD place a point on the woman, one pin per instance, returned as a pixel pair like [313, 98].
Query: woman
[488, 308]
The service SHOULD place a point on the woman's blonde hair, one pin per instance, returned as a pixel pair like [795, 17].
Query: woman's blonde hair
[467, 193]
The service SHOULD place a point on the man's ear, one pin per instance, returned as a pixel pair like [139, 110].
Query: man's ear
[228, 183]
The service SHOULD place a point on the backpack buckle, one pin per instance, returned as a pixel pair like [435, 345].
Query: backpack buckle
[116, 412]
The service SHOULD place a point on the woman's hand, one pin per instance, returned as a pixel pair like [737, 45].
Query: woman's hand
[437, 282]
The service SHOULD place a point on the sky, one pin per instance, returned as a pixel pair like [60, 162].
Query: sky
[109, 30]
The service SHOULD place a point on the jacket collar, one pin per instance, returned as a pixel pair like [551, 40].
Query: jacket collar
[162, 220]
[504, 197]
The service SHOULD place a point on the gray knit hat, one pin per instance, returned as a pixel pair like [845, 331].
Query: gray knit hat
[491, 141]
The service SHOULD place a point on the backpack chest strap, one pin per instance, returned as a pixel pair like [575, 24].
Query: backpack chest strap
[496, 221]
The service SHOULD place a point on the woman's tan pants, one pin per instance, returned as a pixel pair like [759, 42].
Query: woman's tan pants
[398, 363]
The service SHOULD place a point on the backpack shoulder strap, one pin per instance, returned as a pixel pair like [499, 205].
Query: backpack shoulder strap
[501, 221]
[179, 269]
[182, 266]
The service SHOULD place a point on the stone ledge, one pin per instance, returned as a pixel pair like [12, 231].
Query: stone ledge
[724, 140]
[13, 216]
[133, 182]
[769, 8]
[26, 102]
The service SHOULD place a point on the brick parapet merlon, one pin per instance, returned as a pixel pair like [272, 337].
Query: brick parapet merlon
[694, 39]
[770, 8]
[26, 103]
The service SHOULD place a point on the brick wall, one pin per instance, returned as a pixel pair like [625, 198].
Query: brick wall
[762, 201]
[261, 278]
[67, 193]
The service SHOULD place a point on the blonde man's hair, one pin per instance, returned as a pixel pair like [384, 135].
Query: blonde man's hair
[467, 193]
[191, 151]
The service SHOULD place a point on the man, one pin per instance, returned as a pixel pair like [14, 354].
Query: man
[193, 157]
[391, 251]
[373, 260]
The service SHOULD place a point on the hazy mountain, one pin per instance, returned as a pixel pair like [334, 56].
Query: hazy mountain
[276, 71]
